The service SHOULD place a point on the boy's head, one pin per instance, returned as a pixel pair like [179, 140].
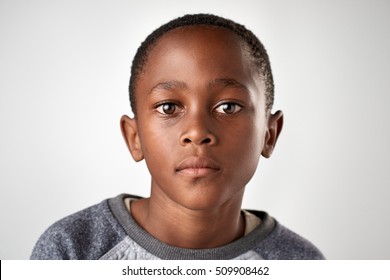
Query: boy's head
[202, 95]
[255, 50]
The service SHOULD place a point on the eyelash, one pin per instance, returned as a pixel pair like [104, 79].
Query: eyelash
[235, 104]
[160, 108]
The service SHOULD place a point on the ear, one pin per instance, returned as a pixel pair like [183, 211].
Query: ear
[275, 124]
[130, 133]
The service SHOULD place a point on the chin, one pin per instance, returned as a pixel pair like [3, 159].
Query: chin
[208, 200]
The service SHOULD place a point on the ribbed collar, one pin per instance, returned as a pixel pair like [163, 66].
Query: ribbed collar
[165, 251]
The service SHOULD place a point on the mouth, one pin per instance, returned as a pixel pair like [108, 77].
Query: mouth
[198, 166]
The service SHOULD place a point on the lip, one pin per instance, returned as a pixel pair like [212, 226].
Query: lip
[198, 166]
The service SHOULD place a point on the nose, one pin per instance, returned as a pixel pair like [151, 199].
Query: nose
[197, 131]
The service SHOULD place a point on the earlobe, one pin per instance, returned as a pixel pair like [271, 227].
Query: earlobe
[130, 133]
[275, 124]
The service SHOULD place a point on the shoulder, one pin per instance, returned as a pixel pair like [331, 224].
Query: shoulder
[87, 234]
[283, 244]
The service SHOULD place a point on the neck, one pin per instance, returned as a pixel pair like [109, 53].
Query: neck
[187, 228]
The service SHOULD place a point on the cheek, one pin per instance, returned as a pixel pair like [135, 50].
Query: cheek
[247, 138]
[157, 145]
[245, 147]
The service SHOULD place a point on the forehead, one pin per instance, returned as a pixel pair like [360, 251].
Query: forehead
[202, 50]
[200, 38]
[195, 33]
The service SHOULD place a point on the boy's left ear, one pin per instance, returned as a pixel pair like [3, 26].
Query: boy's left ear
[275, 124]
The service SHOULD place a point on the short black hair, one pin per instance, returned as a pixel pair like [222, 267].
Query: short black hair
[257, 50]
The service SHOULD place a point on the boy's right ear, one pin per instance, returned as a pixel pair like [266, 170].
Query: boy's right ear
[130, 133]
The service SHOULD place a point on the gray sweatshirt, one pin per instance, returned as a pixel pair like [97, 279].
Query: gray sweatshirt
[107, 231]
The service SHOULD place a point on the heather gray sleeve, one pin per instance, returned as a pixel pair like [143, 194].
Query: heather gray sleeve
[283, 244]
[51, 245]
[87, 234]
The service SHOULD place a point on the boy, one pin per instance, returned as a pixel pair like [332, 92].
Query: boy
[201, 90]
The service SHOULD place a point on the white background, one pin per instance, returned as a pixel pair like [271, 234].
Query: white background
[64, 70]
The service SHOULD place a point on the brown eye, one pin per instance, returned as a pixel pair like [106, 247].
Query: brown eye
[228, 108]
[167, 108]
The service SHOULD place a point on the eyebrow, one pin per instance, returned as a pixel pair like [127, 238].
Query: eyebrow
[223, 82]
[169, 85]
[228, 82]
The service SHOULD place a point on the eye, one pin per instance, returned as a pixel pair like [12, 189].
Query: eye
[228, 108]
[166, 108]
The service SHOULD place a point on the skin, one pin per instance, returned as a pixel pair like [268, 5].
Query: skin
[201, 127]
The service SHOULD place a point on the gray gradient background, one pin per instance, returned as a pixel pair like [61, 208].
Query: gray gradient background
[64, 74]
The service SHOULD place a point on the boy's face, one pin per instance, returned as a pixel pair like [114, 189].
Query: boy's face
[201, 122]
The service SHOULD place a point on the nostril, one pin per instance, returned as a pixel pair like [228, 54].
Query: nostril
[188, 140]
